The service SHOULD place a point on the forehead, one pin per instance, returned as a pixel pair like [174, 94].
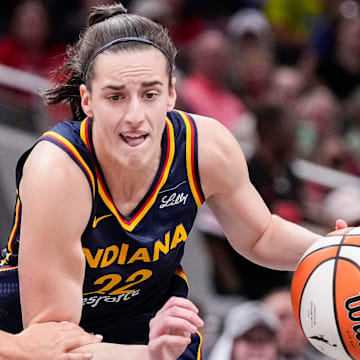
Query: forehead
[130, 65]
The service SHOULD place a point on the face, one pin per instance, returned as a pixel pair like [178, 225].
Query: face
[290, 338]
[30, 24]
[258, 343]
[128, 101]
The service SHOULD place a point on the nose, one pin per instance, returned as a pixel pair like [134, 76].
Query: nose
[134, 114]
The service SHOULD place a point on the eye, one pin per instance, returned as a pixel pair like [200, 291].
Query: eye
[151, 95]
[115, 97]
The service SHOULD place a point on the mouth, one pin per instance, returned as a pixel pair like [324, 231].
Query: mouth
[133, 139]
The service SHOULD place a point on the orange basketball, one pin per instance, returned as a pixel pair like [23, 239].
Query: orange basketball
[325, 293]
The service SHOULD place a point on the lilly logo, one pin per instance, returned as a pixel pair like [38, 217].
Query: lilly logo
[173, 199]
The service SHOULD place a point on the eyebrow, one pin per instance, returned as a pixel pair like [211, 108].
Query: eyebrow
[122, 87]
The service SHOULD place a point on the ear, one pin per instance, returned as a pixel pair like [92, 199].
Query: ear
[172, 95]
[86, 101]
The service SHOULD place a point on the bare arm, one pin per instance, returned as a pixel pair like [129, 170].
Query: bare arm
[110, 351]
[248, 224]
[49, 341]
[56, 205]
[9, 349]
[170, 332]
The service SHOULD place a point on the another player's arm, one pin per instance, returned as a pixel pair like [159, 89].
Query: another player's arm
[56, 206]
[247, 222]
[9, 349]
[48, 341]
[170, 334]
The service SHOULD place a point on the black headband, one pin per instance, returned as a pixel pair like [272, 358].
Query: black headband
[120, 40]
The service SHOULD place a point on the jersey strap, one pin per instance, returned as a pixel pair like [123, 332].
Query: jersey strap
[191, 158]
[70, 149]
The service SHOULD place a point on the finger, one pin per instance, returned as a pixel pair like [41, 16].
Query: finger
[175, 316]
[341, 228]
[186, 314]
[181, 302]
[75, 341]
[189, 313]
[172, 325]
[78, 356]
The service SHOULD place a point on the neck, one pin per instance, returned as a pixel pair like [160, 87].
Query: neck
[128, 185]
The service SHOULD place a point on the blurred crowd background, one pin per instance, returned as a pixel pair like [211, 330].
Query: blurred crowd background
[282, 75]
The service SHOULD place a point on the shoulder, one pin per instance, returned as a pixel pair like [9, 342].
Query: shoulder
[49, 165]
[53, 186]
[221, 161]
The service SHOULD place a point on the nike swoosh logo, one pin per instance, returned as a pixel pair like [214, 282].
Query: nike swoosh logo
[97, 220]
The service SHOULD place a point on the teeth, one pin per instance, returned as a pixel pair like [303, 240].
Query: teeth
[133, 136]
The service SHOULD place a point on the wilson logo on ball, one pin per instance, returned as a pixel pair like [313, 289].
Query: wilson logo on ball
[352, 306]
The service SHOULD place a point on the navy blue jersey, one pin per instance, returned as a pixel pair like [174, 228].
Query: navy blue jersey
[132, 262]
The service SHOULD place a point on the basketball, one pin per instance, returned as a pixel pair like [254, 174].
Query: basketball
[325, 293]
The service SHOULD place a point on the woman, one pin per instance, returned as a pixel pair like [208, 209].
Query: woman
[105, 202]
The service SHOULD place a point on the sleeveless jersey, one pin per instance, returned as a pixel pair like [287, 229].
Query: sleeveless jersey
[132, 262]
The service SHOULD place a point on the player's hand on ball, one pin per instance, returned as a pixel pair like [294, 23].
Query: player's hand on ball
[341, 228]
[171, 329]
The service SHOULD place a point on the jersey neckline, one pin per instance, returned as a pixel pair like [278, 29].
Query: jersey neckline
[166, 159]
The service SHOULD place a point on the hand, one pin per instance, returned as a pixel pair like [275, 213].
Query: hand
[341, 228]
[54, 341]
[171, 328]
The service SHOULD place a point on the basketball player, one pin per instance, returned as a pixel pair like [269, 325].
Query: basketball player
[105, 203]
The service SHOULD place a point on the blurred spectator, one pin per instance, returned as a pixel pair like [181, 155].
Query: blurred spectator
[29, 46]
[252, 55]
[285, 88]
[322, 38]
[249, 334]
[342, 203]
[352, 130]
[340, 69]
[319, 117]
[333, 154]
[270, 167]
[291, 21]
[250, 28]
[292, 343]
[205, 90]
